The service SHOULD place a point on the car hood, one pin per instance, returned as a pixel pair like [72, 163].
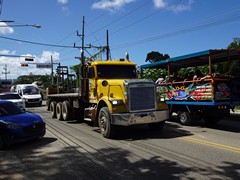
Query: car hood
[34, 96]
[23, 119]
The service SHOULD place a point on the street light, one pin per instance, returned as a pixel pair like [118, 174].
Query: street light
[21, 25]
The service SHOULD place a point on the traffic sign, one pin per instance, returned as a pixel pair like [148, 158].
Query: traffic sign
[29, 59]
[44, 65]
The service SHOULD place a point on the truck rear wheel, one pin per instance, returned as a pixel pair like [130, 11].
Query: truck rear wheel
[53, 108]
[59, 110]
[65, 111]
[184, 118]
[104, 120]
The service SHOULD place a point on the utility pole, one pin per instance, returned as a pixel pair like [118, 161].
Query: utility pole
[5, 71]
[107, 47]
[52, 70]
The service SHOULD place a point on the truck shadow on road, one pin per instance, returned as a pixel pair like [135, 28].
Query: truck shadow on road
[138, 132]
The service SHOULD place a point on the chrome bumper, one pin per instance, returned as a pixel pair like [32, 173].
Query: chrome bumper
[127, 119]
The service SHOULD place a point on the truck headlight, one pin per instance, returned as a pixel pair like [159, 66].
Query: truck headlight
[117, 102]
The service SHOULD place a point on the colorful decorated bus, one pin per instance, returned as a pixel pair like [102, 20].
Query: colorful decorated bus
[210, 96]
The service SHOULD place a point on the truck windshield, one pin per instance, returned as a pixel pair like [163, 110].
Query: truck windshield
[116, 72]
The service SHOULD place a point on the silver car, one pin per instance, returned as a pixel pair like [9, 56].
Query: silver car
[13, 97]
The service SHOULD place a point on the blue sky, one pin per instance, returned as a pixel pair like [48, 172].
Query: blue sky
[174, 27]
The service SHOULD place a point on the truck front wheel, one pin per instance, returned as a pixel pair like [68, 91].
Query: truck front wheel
[184, 118]
[104, 120]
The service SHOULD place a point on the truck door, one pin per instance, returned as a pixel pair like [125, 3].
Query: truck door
[92, 84]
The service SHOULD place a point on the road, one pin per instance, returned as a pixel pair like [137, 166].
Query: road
[72, 150]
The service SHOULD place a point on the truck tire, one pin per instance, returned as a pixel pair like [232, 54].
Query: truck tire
[184, 118]
[66, 111]
[156, 126]
[104, 121]
[53, 105]
[59, 110]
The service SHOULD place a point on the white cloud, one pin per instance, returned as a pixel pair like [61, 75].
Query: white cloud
[62, 1]
[7, 52]
[5, 29]
[180, 6]
[159, 3]
[111, 5]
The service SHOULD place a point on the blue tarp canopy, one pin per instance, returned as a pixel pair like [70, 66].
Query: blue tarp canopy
[196, 59]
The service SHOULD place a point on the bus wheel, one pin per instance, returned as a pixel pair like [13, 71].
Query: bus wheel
[53, 108]
[104, 120]
[184, 118]
[65, 111]
[59, 110]
[156, 126]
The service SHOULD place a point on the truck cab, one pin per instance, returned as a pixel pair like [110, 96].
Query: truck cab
[111, 95]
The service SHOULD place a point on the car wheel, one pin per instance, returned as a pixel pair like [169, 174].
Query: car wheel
[53, 108]
[104, 120]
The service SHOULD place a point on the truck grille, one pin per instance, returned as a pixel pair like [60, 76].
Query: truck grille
[141, 97]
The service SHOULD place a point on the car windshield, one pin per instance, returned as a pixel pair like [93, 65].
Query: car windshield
[30, 90]
[9, 109]
[10, 96]
[116, 72]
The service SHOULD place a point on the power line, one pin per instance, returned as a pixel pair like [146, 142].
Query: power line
[204, 26]
[36, 43]
[121, 17]
[145, 17]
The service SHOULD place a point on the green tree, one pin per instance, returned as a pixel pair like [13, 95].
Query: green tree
[235, 65]
[155, 56]
[26, 79]
[235, 43]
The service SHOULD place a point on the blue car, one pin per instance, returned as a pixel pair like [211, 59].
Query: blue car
[17, 125]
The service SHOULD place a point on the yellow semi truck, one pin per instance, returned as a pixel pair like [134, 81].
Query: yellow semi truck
[110, 95]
